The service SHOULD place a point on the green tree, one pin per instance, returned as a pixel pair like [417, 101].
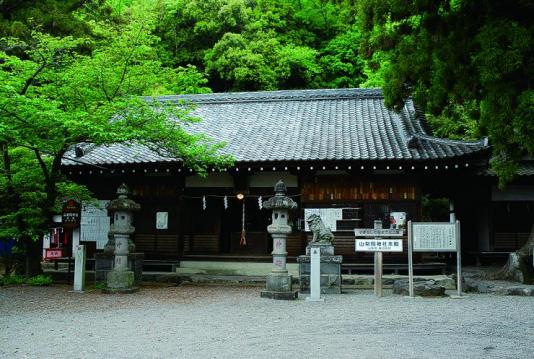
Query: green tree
[261, 62]
[53, 97]
[341, 65]
[188, 28]
[463, 62]
[19, 17]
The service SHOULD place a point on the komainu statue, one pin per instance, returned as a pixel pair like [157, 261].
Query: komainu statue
[321, 234]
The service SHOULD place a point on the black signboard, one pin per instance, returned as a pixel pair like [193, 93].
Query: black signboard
[71, 214]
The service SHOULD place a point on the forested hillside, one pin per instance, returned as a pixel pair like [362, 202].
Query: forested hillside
[237, 44]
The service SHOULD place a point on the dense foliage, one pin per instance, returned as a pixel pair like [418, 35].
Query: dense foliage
[56, 92]
[468, 64]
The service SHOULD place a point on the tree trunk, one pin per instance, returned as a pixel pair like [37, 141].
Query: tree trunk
[518, 268]
[33, 257]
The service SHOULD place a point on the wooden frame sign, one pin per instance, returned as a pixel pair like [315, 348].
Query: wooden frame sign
[381, 242]
[434, 237]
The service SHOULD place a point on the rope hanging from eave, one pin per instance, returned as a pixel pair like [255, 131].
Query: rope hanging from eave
[243, 240]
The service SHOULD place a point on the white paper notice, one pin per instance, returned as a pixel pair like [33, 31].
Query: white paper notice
[95, 223]
[162, 220]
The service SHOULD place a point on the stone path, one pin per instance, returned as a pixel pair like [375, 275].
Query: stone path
[234, 322]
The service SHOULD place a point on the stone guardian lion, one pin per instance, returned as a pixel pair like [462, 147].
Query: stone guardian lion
[321, 234]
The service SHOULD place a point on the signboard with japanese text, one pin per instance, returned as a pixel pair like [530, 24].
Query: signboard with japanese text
[378, 232]
[53, 253]
[71, 214]
[379, 245]
[95, 223]
[434, 237]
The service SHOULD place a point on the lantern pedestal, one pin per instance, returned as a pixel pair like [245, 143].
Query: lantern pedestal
[279, 286]
[120, 281]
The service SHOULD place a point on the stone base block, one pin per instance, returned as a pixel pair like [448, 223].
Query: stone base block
[331, 280]
[120, 281]
[291, 295]
[104, 264]
[330, 284]
[279, 282]
[421, 289]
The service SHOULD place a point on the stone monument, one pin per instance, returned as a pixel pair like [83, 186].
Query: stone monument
[79, 269]
[121, 278]
[330, 263]
[278, 284]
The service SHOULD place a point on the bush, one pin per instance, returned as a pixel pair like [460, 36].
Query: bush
[40, 280]
[12, 280]
[100, 285]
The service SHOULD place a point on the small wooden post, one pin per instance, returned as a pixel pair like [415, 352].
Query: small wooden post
[378, 274]
[378, 264]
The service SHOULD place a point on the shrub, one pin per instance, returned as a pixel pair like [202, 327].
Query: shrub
[100, 285]
[13, 280]
[40, 280]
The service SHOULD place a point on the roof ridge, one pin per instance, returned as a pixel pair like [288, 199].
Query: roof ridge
[266, 96]
[482, 142]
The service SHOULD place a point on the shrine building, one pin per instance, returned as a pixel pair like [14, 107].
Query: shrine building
[341, 153]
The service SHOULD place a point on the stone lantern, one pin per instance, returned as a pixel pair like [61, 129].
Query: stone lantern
[278, 284]
[121, 279]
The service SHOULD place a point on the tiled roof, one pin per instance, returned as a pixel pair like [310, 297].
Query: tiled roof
[300, 125]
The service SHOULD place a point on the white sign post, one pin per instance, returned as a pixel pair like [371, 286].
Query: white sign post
[378, 245]
[79, 269]
[315, 276]
[434, 237]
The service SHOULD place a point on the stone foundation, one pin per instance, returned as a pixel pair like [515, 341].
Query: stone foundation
[331, 281]
[104, 264]
[120, 281]
[290, 295]
[279, 286]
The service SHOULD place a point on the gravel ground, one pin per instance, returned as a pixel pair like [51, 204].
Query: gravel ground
[234, 322]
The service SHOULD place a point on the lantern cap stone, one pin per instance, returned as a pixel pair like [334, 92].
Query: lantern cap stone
[123, 191]
[123, 203]
[280, 200]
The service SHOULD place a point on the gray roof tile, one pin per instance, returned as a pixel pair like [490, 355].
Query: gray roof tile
[300, 125]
